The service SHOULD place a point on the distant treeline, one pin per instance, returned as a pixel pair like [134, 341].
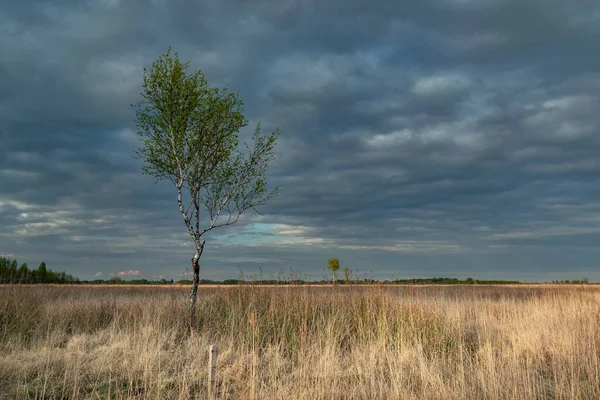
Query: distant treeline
[452, 281]
[12, 272]
[583, 281]
[416, 281]
[115, 280]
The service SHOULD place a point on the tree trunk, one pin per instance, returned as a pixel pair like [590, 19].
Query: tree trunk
[194, 291]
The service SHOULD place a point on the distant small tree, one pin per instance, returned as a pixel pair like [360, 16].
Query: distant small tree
[23, 273]
[347, 274]
[334, 265]
[190, 137]
[12, 271]
[42, 272]
[4, 263]
[33, 276]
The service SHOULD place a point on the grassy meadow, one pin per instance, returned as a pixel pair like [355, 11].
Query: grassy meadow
[301, 342]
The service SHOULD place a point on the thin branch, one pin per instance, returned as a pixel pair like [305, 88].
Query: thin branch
[229, 222]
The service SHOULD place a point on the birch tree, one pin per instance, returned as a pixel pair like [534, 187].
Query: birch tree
[189, 133]
[333, 264]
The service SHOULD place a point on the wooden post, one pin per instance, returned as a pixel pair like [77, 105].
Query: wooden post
[212, 369]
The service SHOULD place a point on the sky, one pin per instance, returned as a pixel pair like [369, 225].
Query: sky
[451, 138]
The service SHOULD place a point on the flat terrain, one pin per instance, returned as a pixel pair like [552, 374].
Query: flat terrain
[346, 342]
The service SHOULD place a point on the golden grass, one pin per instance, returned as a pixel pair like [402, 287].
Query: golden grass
[436, 342]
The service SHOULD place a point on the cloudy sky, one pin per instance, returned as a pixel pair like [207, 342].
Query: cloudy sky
[432, 138]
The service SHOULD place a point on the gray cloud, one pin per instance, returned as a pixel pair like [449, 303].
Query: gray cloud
[451, 138]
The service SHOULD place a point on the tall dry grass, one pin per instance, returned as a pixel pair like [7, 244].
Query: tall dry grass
[452, 342]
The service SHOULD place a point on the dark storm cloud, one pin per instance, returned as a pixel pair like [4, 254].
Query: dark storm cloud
[419, 138]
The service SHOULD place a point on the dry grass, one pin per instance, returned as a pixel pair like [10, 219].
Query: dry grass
[451, 342]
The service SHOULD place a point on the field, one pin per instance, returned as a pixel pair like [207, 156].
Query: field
[356, 342]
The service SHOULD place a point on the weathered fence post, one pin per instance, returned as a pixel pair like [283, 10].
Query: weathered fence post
[212, 369]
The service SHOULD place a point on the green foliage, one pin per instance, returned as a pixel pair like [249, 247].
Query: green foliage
[190, 137]
[451, 281]
[42, 271]
[333, 264]
[184, 121]
[23, 271]
[10, 272]
[583, 281]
